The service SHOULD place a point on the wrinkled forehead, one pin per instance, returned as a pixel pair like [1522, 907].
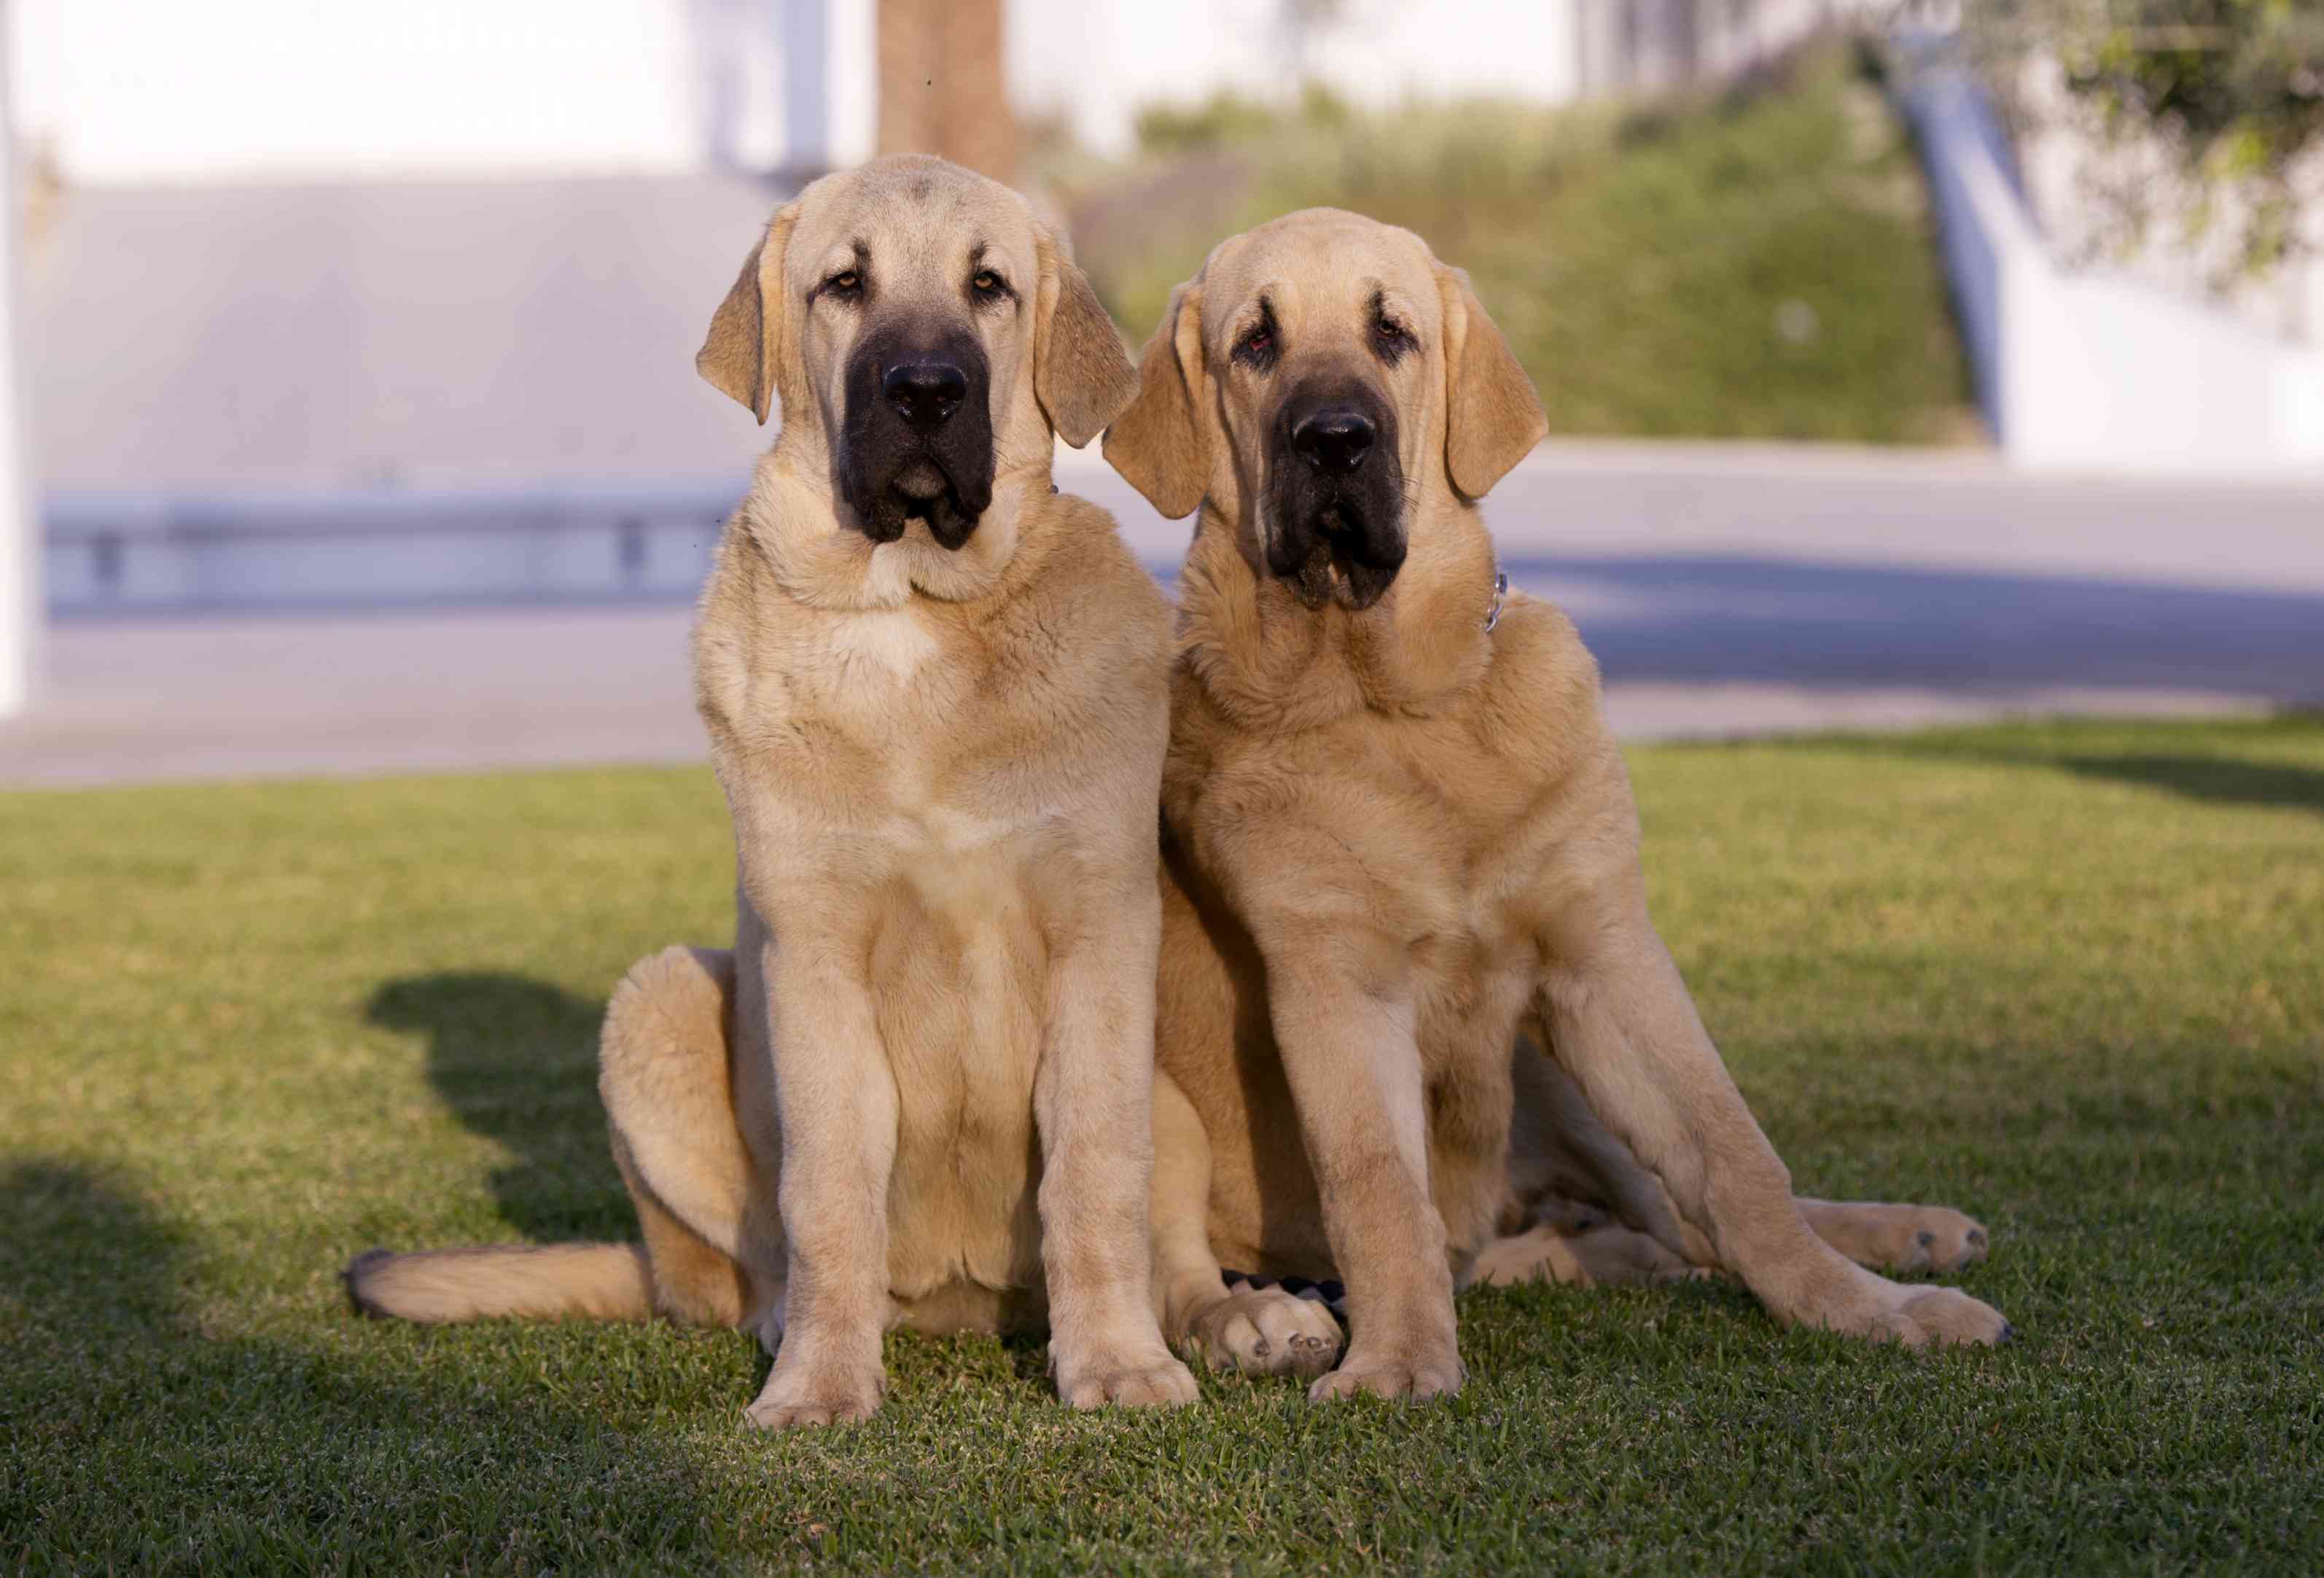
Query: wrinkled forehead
[1317, 268]
[911, 225]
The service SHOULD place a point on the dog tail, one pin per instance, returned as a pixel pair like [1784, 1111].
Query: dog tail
[612, 1282]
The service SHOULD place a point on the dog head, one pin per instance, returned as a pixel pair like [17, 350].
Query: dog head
[1320, 376]
[922, 332]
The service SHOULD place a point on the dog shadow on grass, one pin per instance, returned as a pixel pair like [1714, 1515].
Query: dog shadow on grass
[2213, 779]
[142, 1440]
[515, 1059]
[2210, 779]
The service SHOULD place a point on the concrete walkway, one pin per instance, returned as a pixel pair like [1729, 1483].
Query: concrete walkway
[1726, 590]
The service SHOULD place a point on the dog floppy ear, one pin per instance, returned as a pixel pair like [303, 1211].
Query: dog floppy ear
[1159, 444]
[742, 355]
[1492, 416]
[1081, 374]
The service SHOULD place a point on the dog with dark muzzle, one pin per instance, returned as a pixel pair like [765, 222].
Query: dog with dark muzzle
[1416, 1027]
[1336, 490]
[915, 1092]
[917, 443]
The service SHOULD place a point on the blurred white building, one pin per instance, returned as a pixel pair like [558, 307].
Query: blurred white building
[326, 243]
[329, 243]
[141, 91]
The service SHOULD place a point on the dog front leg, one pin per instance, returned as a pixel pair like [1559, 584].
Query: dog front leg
[1341, 1006]
[1093, 1102]
[836, 1103]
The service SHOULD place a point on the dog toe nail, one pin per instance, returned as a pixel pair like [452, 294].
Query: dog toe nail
[2008, 1333]
[1928, 1241]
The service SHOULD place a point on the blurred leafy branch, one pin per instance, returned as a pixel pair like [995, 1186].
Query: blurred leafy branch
[2231, 91]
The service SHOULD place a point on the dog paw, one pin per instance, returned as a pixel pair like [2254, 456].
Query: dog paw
[1418, 1369]
[1139, 1377]
[1604, 1253]
[1909, 1239]
[1267, 1331]
[812, 1395]
[1944, 1316]
[1916, 1316]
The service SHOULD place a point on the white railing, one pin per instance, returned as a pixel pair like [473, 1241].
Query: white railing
[132, 553]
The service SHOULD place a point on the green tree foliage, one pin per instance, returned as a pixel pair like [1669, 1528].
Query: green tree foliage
[2234, 89]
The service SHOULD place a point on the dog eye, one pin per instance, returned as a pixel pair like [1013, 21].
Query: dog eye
[1257, 347]
[986, 282]
[846, 283]
[1392, 337]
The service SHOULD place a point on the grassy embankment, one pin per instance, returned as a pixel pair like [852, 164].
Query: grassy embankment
[1760, 266]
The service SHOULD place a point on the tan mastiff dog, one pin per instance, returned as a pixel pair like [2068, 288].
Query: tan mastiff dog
[917, 1091]
[1398, 836]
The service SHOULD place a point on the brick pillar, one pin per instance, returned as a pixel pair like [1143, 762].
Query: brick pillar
[944, 86]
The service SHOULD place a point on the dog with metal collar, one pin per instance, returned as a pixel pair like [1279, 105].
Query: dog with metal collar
[1414, 1028]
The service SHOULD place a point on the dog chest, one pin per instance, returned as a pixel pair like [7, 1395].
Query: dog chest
[958, 973]
[888, 644]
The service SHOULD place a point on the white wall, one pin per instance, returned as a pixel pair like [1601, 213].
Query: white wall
[2090, 370]
[1099, 63]
[145, 90]
[2076, 173]
[165, 90]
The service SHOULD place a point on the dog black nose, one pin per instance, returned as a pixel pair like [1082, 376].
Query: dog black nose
[1335, 440]
[926, 393]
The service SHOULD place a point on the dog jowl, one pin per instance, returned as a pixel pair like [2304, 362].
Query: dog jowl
[916, 441]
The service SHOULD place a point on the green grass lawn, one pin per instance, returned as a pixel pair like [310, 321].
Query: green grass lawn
[1761, 265]
[2070, 978]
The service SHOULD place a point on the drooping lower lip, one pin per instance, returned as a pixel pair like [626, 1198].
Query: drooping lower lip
[923, 510]
[1332, 564]
[941, 514]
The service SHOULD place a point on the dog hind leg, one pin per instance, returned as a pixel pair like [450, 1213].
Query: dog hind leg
[1563, 1155]
[1624, 1027]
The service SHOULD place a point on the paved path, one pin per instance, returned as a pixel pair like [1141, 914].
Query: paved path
[1726, 591]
